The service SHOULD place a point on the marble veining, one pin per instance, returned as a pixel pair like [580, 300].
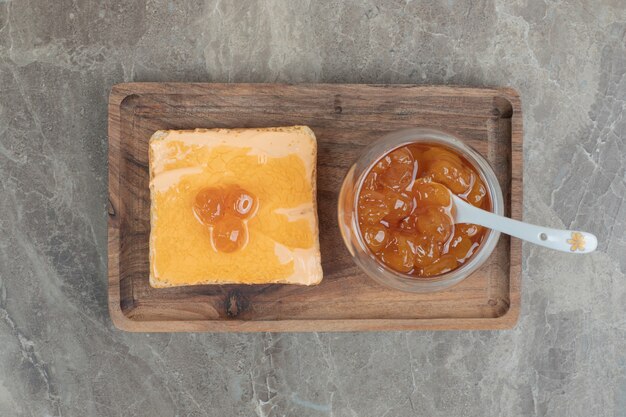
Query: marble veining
[60, 354]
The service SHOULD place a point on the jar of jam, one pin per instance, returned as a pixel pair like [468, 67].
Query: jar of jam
[396, 217]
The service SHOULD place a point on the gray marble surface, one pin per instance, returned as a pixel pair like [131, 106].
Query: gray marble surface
[61, 356]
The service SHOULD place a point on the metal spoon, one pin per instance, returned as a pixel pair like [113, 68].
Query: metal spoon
[563, 240]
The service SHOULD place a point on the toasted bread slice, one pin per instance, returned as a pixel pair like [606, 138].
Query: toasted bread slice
[276, 165]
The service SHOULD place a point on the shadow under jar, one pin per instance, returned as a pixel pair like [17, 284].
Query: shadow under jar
[394, 216]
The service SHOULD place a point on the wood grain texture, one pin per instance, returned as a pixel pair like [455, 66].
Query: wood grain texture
[344, 117]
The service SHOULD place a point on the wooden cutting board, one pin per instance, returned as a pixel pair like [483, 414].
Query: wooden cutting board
[344, 117]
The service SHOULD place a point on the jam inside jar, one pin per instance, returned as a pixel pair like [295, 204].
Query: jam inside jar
[405, 211]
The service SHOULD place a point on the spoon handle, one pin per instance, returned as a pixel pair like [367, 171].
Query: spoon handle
[563, 240]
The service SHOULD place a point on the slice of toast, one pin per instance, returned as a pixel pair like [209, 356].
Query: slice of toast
[276, 165]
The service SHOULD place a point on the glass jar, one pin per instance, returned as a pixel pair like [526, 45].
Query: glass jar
[348, 222]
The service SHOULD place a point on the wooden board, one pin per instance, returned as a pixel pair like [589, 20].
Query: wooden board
[344, 118]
